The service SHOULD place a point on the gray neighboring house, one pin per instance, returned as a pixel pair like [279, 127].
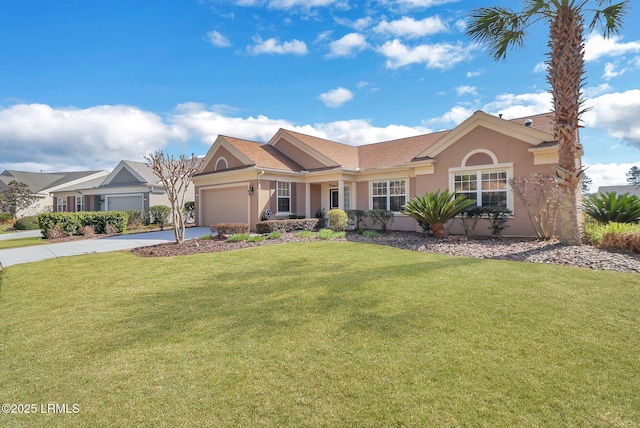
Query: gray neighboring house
[44, 184]
[130, 186]
[631, 189]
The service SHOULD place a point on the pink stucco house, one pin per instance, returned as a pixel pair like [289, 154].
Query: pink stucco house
[299, 174]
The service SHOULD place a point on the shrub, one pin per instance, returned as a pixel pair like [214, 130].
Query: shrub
[436, 209]
[256, 238]
[110, 229]
[55, 232]
[274, 235]
[87, 231]
[5, 218]
[498, 218]
[229, 228]
[624, 236]
[611, 207]
[71, 223]
[325, 233]
[356, 217]
[369, 233]
[289, 225]
[159, 214]
[306, 234]
[470, 217]
[338, 220]
[207, 237]
[381, 217]
[238, 237]
[137, 218]
[27, 223]
[546, 195]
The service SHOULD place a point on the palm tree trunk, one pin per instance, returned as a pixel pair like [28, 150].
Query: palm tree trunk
[566, 70]
[439, 231]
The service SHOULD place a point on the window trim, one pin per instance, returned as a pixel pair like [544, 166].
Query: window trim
[79, 203]
[62, 205]
[278, 197]
[479, 169]
[388, 193]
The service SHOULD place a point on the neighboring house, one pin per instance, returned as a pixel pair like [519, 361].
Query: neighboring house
[240, 180]
[130, 186]
[44, 184]
[631, 189]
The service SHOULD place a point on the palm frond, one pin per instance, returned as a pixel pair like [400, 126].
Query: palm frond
[610, 18]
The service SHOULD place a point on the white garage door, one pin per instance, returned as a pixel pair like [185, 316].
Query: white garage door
[124, 203]
[228, 205]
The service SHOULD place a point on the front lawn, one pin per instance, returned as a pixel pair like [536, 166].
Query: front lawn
[318, 334]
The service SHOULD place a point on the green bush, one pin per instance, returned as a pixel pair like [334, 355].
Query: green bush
[369, 233]
[256, 238]
[5, 217]
[306, 234]
[159, 214]
[381, 217]
[136, 218]
[330, 234]
[229, 228]
[274, 235]
[356, 217]
[611, 207]
[27, 223]
[72, 223]
[594, 233]
[288, 225]
[338, 220]
[238, 237]
[436, 209]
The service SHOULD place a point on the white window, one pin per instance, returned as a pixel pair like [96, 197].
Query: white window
[79, 203]
[388, 195]
[284, 197]
[486, 188]
[221, 164]
[347, 198]
[62, 205]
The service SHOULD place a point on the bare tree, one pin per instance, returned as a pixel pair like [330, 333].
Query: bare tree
[175, 175]
[546, 191]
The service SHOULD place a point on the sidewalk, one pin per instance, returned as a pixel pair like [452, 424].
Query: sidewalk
[14, 256]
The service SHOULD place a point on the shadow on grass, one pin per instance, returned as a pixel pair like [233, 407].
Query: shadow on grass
[268, 299]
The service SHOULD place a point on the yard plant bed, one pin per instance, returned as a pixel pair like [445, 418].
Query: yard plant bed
[527, 250]
[319, 334]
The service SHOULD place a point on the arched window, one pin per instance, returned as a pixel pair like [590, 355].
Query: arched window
[221, 164]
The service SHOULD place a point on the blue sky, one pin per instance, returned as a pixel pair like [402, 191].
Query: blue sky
[84, 84]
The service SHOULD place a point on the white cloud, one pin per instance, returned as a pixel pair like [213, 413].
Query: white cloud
[540, 67]
[475, 73]
[466, 90]
[520, 105]
[336, 97]
[349, 45]
[217, 39]
[608, 174]
[362, 84]
[360, 24]
[618, 114]
[597, 46]
[451, 118]
[422, 4]
[441, 55]
[272, 46]
[96, 137]
[359, 132]
[611, 71]
[594, 91]
[302, 4]
[410, 28]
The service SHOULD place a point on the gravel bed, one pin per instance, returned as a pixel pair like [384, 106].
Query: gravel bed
[535, 251]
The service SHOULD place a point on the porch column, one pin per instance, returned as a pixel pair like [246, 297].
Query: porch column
[307, 200]
[341, 194]
[354, 195]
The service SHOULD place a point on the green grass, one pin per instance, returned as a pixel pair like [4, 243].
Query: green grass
[21, 242]
[319, 334]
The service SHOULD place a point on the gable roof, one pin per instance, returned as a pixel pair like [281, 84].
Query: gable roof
[139, 170]
[44, 182]
[396, 152]
[328, 152]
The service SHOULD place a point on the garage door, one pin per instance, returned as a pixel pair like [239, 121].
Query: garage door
[228, 205]
[124, 203]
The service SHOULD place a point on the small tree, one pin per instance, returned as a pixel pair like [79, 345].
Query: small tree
[633, 176]
[338, 220]
[546, 195]
[175, 175]
[160, 215]
[17, 197]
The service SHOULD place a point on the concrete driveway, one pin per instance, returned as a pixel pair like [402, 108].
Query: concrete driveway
[14, 256]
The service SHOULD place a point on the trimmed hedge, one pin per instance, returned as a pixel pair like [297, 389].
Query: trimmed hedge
[230, 228]
[268, 226]
[26, 223]
[72, 223]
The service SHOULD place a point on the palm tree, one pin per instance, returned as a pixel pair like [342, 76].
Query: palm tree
[503, 28]
[436, 209]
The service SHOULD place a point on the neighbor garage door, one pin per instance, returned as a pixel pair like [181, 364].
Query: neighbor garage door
[227, 205]
[124, 203]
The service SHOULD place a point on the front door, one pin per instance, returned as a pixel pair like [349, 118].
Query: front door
[333, 199]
